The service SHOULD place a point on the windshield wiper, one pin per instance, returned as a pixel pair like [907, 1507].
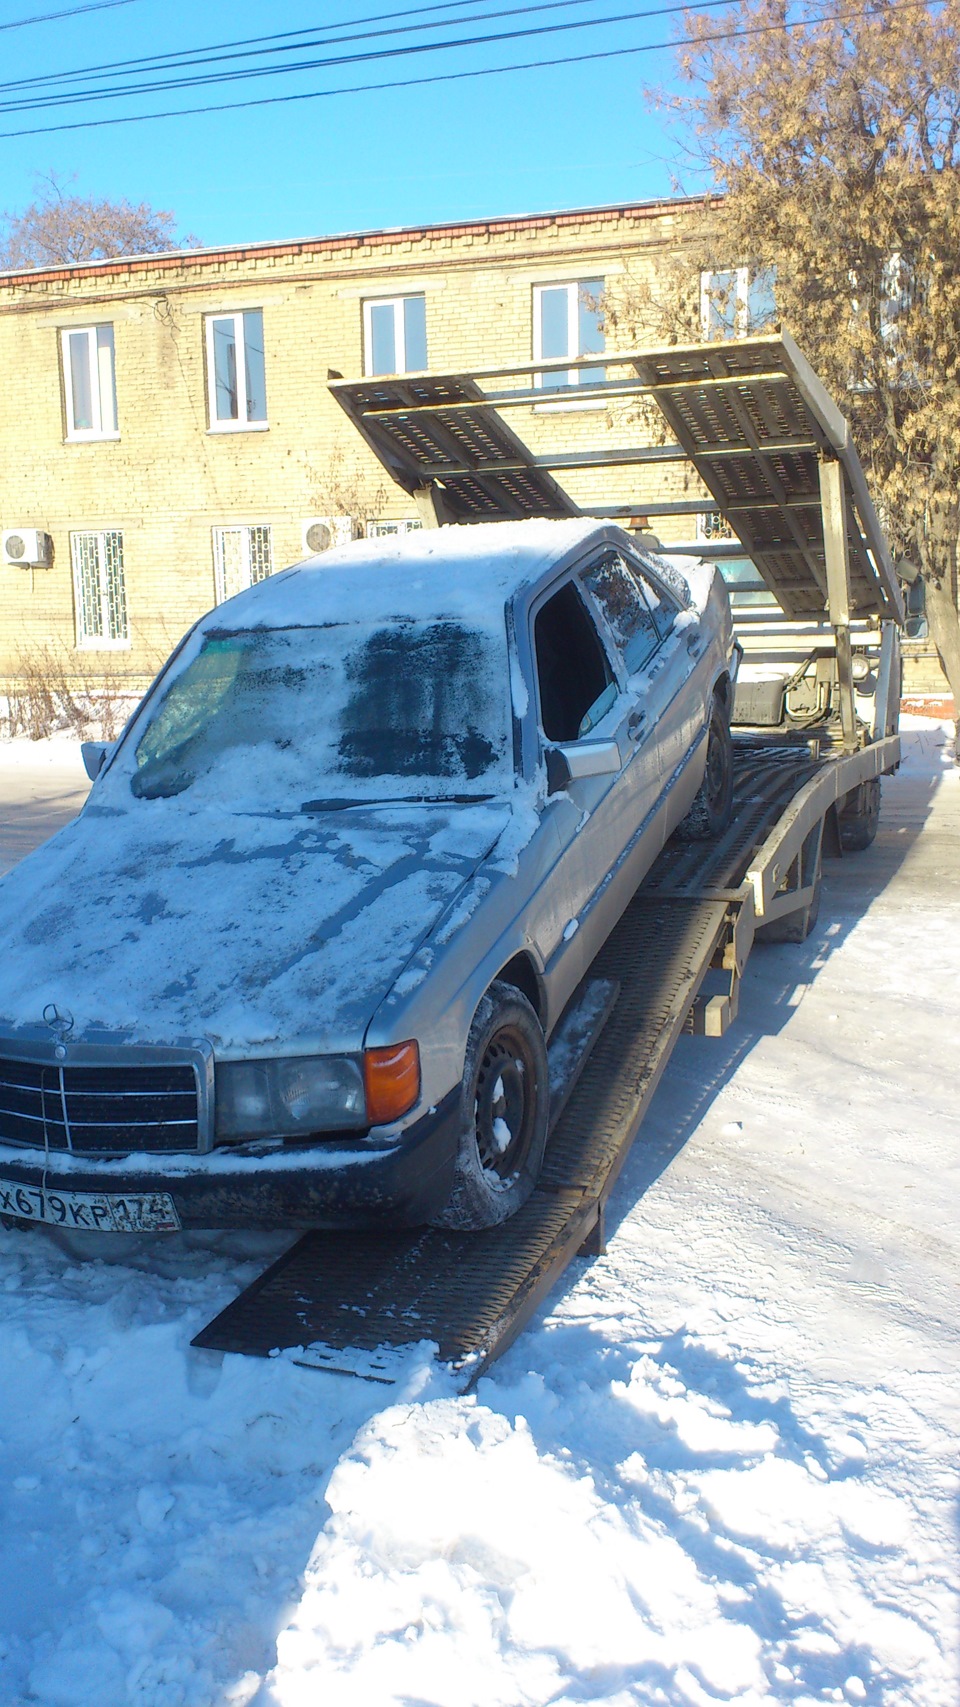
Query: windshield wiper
[339, 804]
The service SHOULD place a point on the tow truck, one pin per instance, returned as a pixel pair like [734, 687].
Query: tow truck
[818, 613]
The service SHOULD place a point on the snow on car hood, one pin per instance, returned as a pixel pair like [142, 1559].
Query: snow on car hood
[163, 923]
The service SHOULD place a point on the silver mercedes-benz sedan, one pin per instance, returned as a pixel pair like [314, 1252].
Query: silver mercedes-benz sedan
[297, 961]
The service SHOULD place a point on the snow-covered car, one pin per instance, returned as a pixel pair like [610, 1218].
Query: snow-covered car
[297, 960]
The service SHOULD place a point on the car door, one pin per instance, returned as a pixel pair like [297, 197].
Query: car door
[670, 692]
[583, 695]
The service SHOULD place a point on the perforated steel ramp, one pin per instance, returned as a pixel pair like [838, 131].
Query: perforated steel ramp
[750, 416]
[755, 422]
[428, 428]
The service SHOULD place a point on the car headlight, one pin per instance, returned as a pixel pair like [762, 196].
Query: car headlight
[303, 1094]
[289, 1098]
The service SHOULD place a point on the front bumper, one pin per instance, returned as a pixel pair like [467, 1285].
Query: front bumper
[341, 1182]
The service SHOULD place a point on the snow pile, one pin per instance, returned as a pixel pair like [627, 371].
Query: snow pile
[158, 1503]
[721, 1467]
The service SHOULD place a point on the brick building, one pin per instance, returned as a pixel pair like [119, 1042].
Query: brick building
[167, 421]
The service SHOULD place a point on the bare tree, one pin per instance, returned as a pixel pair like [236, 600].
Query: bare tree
[833, 138]
[60, 227]
[343, 487]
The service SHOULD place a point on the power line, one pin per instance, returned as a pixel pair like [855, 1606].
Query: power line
[74, 12]
[209, 54]
[80, 97]
[461, 76]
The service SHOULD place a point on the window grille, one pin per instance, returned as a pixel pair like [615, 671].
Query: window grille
[99, 588]
[241, 557]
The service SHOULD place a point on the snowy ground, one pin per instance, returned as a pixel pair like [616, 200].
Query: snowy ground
[719, 1468]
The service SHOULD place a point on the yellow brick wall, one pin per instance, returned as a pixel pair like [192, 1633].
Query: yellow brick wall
[167, 480]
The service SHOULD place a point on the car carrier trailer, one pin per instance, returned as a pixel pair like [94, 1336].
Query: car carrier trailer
[775, 455]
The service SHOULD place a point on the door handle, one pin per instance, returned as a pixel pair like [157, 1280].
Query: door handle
[635, 724]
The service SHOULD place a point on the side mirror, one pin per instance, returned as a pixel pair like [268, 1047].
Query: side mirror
[581, 759]
[95, 755]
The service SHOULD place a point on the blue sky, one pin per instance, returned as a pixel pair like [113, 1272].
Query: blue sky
[533, 140]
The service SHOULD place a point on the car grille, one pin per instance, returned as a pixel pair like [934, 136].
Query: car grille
[99, 1110]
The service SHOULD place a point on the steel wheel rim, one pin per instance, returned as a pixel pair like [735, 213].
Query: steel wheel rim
[504, 1105]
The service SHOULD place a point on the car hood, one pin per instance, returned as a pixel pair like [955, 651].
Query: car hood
[161, 924]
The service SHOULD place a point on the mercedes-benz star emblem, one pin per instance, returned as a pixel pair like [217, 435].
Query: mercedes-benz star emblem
[60, 1022]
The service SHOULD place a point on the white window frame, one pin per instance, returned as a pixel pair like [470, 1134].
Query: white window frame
[102, 541]
[572, 376]
[100, 361]
[242, 424]
[245, 532]
[399, 329]
[741, 315]
[745, 277]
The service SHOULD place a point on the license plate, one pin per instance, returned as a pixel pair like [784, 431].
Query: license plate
[99, 1211]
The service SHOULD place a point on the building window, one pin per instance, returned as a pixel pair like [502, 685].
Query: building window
[241, 557]
[384, 529]
[236, 375]
[712, 524]
[736, 302]
[395, 335]
[567, 322]
[89, 385]
[98, 588]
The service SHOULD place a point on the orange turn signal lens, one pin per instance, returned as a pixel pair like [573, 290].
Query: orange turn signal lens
[391, 1079]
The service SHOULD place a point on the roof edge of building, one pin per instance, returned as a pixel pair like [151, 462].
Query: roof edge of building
[170, 258]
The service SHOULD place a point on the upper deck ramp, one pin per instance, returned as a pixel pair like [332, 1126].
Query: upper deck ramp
[749, 415]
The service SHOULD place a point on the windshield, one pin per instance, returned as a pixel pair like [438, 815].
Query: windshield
[358, 711]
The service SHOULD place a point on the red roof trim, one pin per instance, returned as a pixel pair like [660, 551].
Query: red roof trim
[355, 240]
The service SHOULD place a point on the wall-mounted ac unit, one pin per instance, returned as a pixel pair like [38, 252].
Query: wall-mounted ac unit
[322, 532]
[26, 547]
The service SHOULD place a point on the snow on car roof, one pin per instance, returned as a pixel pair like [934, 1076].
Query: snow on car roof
[466, 572]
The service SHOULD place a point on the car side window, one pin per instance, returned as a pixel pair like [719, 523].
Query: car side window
[574, 677]
[662, 603]
[632, 619]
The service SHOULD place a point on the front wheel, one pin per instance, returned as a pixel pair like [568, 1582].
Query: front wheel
[504, 1108]
[712, 806]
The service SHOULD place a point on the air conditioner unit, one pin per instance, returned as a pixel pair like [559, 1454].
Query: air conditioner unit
[322, 532]
[26, 547]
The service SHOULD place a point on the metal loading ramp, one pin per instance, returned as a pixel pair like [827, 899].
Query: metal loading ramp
[757, 425]
[749, 416]
[345, 1296]
[427, 428]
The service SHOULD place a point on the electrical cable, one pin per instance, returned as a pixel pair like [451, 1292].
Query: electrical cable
[73, 12]
[66, 98]
[212, 51]
[461, 76]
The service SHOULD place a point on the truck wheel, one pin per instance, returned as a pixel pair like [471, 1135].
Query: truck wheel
[712, 806]
[860, 817]
[505, 1102]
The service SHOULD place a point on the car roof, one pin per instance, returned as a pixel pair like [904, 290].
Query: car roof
[465, 573]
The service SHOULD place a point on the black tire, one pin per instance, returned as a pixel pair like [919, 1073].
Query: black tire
[860, 817]
[712, 806]
[505, 1083]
